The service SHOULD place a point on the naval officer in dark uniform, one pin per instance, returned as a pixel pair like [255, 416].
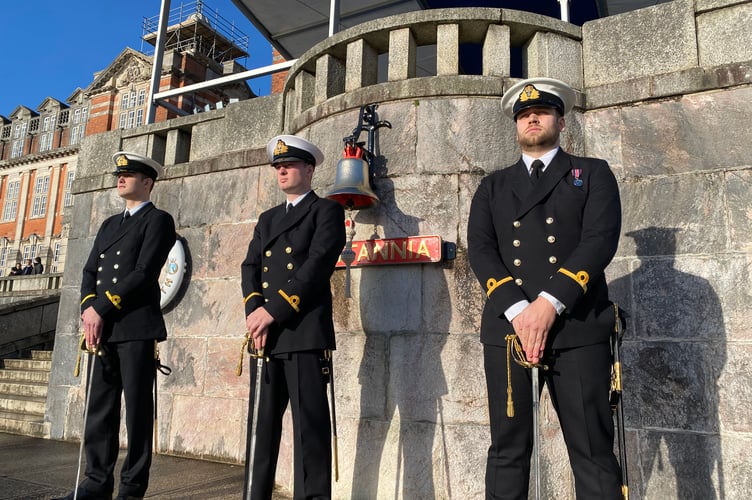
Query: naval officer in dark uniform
[540, 234]
[288, 306]
[122, 318]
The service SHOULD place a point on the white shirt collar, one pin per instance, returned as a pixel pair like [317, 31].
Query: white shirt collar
[137, 208]
[297, 200]
[546, 159]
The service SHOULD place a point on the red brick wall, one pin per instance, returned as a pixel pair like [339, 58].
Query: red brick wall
[278, 79]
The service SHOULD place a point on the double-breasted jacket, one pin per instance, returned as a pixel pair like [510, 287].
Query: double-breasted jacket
[287, 269]
[556, 235]
[121, 276]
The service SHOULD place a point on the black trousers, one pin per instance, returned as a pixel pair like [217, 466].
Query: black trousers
[126, 368]
[295, 378]
[578, 381]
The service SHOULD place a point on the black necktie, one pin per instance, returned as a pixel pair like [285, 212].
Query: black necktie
[125, 217]
[537, 170]
[289, 208]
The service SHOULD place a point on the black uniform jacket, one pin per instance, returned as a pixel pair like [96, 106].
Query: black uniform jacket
[121, 276]
[287, 269]
[556, 236]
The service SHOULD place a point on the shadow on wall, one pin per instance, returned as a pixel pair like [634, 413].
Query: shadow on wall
[672, 363]
[413, 382]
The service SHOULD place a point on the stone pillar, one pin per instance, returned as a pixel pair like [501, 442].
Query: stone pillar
[178, 147]
[330, 78]
[496, 51]
[402, 50]
[362, 65]
[447, 49]
[554, 56]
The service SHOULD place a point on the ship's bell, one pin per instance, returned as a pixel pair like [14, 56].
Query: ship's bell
[352, 187]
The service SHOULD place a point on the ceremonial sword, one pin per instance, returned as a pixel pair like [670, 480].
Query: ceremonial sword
[536, 435]
[253, 409]
[328, 356]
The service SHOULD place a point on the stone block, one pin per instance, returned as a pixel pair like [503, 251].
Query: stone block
[390, 298]
[402, 50]
[461, 135]
[223, 358]
[738, 191]
[496, 59]
[664, 203]
[677, 301]
[680, 465]
[464, 297]
[720, 35]
[602, 137]
[199, 207]
[371, 475]
[447, 49]
[192, 416]
[362, 65]
[79, 216]
[187, 356]
[210, 309]
[673, 385]
[361, 377]
[227, 245]
[438, 378]
[735, 389]
[554, 56]
[685, 135]
[734, 469]
[250, 124]
[464, 448]
[330, 78]
[648, 41]
[95, 157]
[177, 148]
[207, 138]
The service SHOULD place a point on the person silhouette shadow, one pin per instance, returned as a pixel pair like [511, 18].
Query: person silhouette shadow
[673, 355]
[401, 376]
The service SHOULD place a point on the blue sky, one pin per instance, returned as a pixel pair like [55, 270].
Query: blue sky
[51, 47]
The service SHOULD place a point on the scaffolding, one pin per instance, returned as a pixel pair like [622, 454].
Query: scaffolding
[194, 27]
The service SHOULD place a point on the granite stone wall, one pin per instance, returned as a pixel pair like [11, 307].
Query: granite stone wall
[411, 400]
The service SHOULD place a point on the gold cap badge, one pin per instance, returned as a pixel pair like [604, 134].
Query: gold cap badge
[281, 148]
[528, 93]
[121, 161]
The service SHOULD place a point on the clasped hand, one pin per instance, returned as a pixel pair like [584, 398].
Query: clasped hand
[532, 326]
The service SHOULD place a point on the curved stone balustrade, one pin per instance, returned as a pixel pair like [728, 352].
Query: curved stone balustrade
[342, 71]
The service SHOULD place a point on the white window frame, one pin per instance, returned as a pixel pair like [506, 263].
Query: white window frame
[68, 196]
[10, 209]
[39, 202]
[57, 249]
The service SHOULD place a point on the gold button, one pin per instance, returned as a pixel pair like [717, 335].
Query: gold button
[268, 253]
[552, 259]
[265, 284]
[549, 220]
[551, 239]
[518, 282]
[289, 265]
[114, 280]
[517, 262]
[266, 269]
[516, 243]
[288, 250]
[516, 223]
